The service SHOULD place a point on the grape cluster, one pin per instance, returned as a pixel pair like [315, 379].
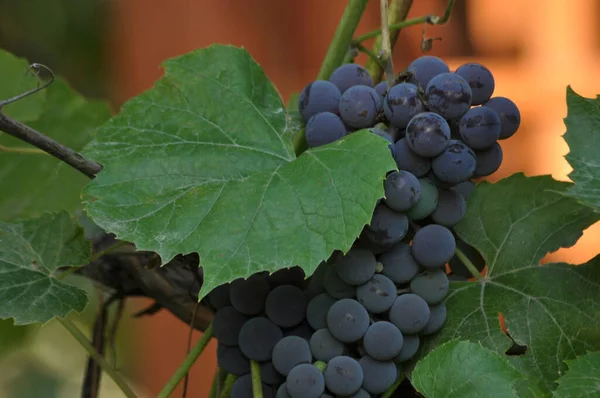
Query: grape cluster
[347, 329]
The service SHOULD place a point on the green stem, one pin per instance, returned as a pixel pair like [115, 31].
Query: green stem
[214, 389]
[104, 365]
[229, 380]
[372, 56]
[468, 264]
[391, 390]
[256, 381]
[340, 44]
[386, 45]
[187, 364]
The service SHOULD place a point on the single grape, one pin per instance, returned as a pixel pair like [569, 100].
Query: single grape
[287, 276]
[401, 103]
[347, 320]
[488, 160]
[227, 324]
[317, 309]
[324, 128]
[302, 330]
[343, 376]
[427, 134]
[242, 388]
[349, 75]
[336, 287]
[286, 306]
[510, 117]
[433, 246]
[282, 391]
[359, 106]
[427, 201]
[319, 96]
[465, 188]
[219, 296]
[378, 375]
[316, 282]
[410, 313]
[402, 190]
[305, 381]
[437, 182]
[289, 352]
[381, 89]
[399, 264]
[232, 360]
[407, 160]
[409, 348]
[449, 95]
[480, 80]
[480, 127]
[360, 394]
[426, 68]
[356, 267]
[248, 296]
[383, 341]
[451, 208]
[378, 294]
[431, 285]
[455, 164]
[436, 320]
[269, 375]
[456, 264]
[383, 134]
[324, 346]
[258, 337]
[387, 227]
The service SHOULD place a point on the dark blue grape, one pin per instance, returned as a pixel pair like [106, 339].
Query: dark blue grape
[324, 128]
[427, 134]
[378, 375]
[451, 208]
[381, 89]
[269, 375]
[432, 286]
[488, 160]
[510, 117]
[383, 341]
[258, 337]
[378, 294]
[347, 320]
[319, 96]
[356, 267]
[401, 103]
[426, 203]
[436, 320]
[359, 394]
[232, 360]
[219, 296]
[455, 164]
[465, 188]
[426, 68]
[305, 381]
[290, 352]
[399, 264]
[248, 296]
[402, 190]
[407, 160]
[409, 348]
[335, 286]
[387, 227]
[286, 306]
[343, 376]
[410, 313]
[349, 75]
[287, 276]
[317, 309]
[324, 346]
[449, 95]
[433, 246]
[242, 388]
[480, 127]
[302, 330]
[359, 106]
[480, 80]
[227, 325]
[282, 391]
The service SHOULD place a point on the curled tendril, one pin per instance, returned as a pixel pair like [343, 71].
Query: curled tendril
[34, 70]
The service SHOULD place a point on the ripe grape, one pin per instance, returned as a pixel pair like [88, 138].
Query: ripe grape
[324, 128]
[488, 160]
[480, 80]
[410, 313]
[480, 127]
[258, 337]
[387, 226]
[378, 294]
[433, 246]
[465, 188]
[427, 134]
[456, 264]
[426, 68]
[407, 160]
[402, 190]
[427, 201]
[436, 320]
[359, 394]
[319, 96]
[219, 296]
[510, 117]
[286, 306]
[401, 103]
[324, 346]
[227, 324]
[269, 375]
[349, 75]
[248, 296]
[383, 341]
[305, 381]
[347, 320]
[455, 164]
[232, 360]
[336, 287]
[343, 376]
[432, 286]
[356, 267]
[359, 106]
[378, 375]
[381, 89]
[317, 309]
[302, 330]
[409, 348]
[399, 264]
[289, 352]
[282, 391]
[449, 95]
[242, 388]
[451, 208]
[287, 276]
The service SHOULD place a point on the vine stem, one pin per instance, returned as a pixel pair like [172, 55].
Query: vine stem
[187, 364]
[89, 348]
[391, 390]
[386, 46]
[256, 381]
[468, 264]
[229, 380]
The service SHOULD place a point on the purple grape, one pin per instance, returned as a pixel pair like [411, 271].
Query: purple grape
[319, 96]
[488, 160]
[426, 68]
[449, 95]
[349, 75]
[402, 103]
[480, 127]
[455, 164]
[324, 128]
[407, 160]
[427, 134]
[402, 190]
[381, 89]
[359, 106]
[510, 117]
[480, 80]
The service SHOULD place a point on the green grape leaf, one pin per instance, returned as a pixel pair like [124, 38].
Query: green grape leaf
[203, 162]
[552, 309]
[36, 183]
[464, 369]
[15, 80]
[583, 125]
[582, 379]
[30, 252]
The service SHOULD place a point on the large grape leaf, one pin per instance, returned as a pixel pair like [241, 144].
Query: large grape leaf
[582, 379]
[15, 80]
[203, 162]
[583, 137]
[463, 369]
[30, 252]
[552, 309]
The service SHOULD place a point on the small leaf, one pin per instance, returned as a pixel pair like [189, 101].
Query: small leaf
[15, 80]
[582, 378]
[203, 162]
[29, 254]
[464, 369]
[552, 309]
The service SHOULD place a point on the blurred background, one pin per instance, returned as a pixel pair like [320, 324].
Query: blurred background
[113, 50]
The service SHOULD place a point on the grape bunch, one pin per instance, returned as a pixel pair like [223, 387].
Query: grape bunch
[348, 329]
